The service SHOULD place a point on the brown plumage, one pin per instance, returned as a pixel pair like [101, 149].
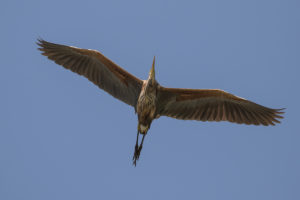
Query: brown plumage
[151, 100]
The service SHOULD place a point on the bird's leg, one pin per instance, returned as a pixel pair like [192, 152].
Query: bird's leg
[141, 145]
[137, 141]
[136, 149]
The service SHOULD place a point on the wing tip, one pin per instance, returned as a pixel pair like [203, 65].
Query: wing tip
[277, 114]
[280, 111]
[44, 44]
[41, 43]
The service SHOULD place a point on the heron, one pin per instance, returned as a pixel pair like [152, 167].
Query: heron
[151, 100]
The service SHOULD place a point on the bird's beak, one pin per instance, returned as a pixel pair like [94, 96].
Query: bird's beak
[152, 71]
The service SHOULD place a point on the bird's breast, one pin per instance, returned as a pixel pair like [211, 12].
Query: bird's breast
[146, 108]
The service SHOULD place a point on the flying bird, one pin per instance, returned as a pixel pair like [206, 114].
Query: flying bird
[151, 100]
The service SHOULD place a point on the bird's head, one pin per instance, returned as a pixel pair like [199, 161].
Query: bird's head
[151, 77]
[151, 82]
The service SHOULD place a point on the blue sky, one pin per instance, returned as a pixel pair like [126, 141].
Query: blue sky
[63, 138]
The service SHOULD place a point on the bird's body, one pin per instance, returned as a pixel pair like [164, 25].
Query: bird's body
[145, 108]
[151, 100]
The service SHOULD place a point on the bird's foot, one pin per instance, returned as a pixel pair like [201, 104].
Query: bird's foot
[136, 156]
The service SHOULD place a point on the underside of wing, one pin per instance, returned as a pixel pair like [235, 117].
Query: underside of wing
[213, 105]
[97, 68]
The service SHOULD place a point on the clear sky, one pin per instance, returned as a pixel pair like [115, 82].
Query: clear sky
[61, 137]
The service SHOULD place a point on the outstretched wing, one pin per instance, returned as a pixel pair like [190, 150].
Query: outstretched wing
[97, 68]
[213, 105]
